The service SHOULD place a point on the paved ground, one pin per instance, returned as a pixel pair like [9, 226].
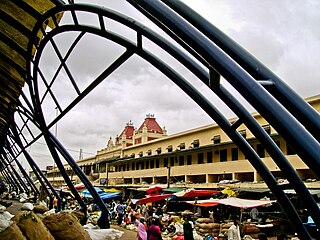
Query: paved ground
[128, 234]
[15, 207]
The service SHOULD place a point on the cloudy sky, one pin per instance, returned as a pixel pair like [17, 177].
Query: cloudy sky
[284, 35]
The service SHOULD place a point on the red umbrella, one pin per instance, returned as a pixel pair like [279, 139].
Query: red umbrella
[154, 189]
[153, 198]
[78, 186]
[190, 193]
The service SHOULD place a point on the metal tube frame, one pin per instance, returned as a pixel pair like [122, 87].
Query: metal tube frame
[217, 62]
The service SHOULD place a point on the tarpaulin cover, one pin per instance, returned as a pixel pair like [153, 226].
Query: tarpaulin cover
[103, 195]
[232, 201]
[98, 190]
[153, 198]
[112, 190]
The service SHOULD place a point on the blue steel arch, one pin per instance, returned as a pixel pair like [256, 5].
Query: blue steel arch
[211, 59]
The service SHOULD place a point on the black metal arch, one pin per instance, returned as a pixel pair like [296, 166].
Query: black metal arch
[265, 94]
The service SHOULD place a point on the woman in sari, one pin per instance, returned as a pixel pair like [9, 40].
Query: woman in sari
[141, 228]
[154, 232]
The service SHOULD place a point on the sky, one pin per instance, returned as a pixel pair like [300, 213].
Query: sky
[283, 35]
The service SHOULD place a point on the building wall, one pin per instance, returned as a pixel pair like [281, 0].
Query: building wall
[191, 164]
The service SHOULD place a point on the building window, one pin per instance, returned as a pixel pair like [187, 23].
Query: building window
[140, 154]
[243, 133]
[200, 158]
[128, 166]
[234, 154]
[147, 164]
[223, 155]
[103, 167]
[165, 162]
[149, 152]
[152, 163]
[182, 146]
[209, 157]
[133, 166]
[142, 165]
[260, 151]
[171, 161]
[158, 150]
[216, 139]
[169, 148]
[189, 159]
[290, 150]
[196, 143]
[267, 128]
[157, 163]
[181, 160]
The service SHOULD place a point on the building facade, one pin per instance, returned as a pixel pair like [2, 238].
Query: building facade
[200, 157]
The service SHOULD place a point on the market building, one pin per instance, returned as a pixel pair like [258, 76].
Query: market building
[203, 157]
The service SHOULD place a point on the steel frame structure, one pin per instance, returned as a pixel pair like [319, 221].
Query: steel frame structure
[217, 56]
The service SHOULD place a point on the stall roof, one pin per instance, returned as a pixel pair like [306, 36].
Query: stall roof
[256, 190]
[312, 191]
[232, 201]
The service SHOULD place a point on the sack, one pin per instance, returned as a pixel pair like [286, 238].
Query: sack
[31, 226]
[12, 232]
[65, 226]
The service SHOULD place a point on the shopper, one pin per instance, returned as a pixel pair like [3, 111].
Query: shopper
[234, 231]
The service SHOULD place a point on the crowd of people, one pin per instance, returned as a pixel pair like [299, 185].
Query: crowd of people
[152, 221]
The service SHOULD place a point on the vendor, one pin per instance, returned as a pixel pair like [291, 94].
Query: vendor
[177, 225]
[188, 228]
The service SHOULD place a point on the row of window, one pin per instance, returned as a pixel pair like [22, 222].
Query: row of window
[176, 160]
[187, 159]
[216, 140]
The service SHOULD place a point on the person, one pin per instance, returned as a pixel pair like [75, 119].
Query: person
[254, 214]
[120, 211]
[165, 208]
[178, 227]
[55, 204]
[187, 229]
[154, 232]
[144, 211]
[234, 231]
[141, 228]
[159, 211]
[282, 236]
[262, 236]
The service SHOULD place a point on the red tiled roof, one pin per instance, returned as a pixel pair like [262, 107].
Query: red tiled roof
[151, 125]
[128, 131]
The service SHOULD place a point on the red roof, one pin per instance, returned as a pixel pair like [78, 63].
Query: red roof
[151, 124]
[128, 131]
